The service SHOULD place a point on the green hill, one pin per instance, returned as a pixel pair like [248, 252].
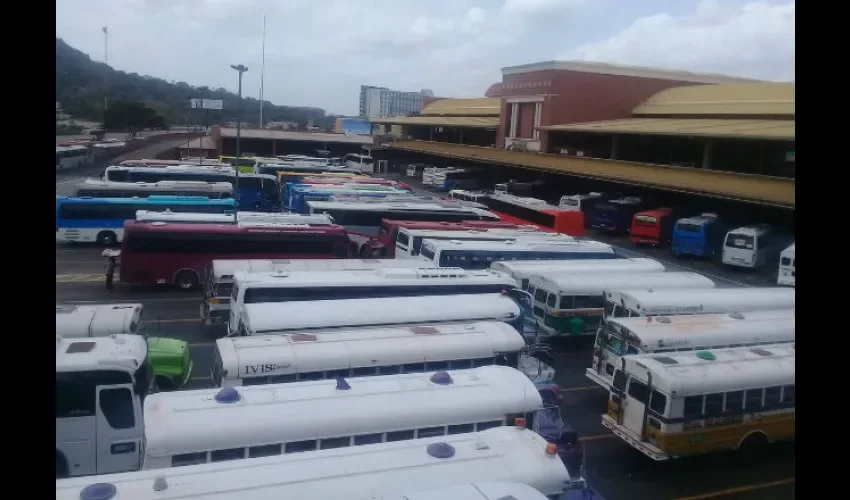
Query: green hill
[81, 85]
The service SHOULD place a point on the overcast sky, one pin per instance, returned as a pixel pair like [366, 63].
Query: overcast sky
[319, 52]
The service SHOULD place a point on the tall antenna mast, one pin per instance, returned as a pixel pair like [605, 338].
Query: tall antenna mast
[263, 71]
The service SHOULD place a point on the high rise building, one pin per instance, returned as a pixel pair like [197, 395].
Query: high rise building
[381, 101]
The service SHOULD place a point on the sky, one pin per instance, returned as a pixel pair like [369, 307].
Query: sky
[319, 52]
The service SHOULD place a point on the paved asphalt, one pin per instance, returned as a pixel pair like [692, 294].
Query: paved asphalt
[617, 471]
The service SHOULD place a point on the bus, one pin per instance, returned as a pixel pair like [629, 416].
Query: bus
[480, 254]
[320, 355]
[409, 241]
[700, 236]
[101, 384]
[653, 227]
[668, 334]
[166, 253]
[574, 303]
[383, 245]
[753, 247]
[464, 195]
[360, 163]
[256, 191]
[642, 302]
[522, 270]
[585, 203]
[304, 286]
[96, 188]
[287, 317]
[154, 162]
[287, 187]
[219, 277]
[297, 176]
[245, 164]
[533, 211]
[300, 194]
[363, 220]
[458, 179]
[615, 216]
[273, 168]
[507, 453]
[183, 428]
[691, 403]
[246, 217]
[170, 359]
[787, 266]
[101, 220]
[71, 156]
[415, 170]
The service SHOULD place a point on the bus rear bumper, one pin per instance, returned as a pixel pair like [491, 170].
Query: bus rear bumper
[635, 442]
[592, 375]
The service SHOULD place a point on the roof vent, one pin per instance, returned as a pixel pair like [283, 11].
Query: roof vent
[160, 484]
[441, 378]
[665, 360]
[227, 395]
[706, 356]
[736, 315]
[79, 347]
[341, 384]
[441, 450]
[99, 491]
[424, 330]
[762, 352]
[302, 337]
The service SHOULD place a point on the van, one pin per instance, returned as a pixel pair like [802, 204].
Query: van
[752, 247]
[787, 266]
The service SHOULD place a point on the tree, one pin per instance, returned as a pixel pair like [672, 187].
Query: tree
[131, 117]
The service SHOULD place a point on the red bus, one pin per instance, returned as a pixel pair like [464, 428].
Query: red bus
[168, 253]
[383, 245]
[524, 211]
[354, 180]
[653, 227]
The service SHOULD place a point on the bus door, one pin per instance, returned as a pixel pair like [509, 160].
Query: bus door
[119, 429]
[634, 406]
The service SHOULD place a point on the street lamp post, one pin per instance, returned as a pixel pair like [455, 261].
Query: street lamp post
[241, 69]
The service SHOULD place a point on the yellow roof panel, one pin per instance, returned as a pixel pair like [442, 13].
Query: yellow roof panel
[486, 106]
[442, 121]
[775, 99]
[692, 127]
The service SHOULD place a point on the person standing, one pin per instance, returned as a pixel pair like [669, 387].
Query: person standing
[110, 272]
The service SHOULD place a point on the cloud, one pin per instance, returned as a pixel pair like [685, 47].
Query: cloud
[756, 40]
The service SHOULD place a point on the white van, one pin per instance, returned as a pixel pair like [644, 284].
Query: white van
[751, 246]
[787, 266]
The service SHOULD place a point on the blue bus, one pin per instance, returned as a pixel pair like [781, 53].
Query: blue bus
[701, 236]
[256, 191]
[101, 220]
[300, 194]
[615, 216]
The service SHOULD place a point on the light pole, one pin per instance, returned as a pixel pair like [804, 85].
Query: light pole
[105, 72]
[241, 69]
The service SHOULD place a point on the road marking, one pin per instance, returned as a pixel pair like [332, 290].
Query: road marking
[597, 437]
[129, 301]
[81, 278]
[579, 388]
[690, 268]
[741, 489]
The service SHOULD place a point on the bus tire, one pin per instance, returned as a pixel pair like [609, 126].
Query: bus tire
[106, 238]
[754, 443]
[164, 383]
[186, 280]
[61, 465]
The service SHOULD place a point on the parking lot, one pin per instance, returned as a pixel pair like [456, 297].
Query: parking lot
[615, 470]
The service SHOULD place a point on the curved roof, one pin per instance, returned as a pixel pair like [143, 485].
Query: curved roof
[742, 99]
[487, 106]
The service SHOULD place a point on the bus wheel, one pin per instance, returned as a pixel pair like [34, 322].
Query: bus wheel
[186, 280]
[164, 383]
[754, 444]
[106, 238]
[61, 466]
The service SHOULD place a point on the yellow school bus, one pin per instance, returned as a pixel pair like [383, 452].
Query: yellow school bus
[688, 403]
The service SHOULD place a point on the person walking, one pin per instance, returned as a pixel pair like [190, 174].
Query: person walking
[110, 272]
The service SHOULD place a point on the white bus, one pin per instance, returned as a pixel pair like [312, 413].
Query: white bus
[408, 242]
[359, 163]
[71, 156]
[480, 254]
[241, 216]
[690, 403]
[100, 387]
[287, 317]
[184, 427]
[465, 195]
[500, 490]
[97, 188]
[752, 247]
[787, 266]
[667, 334]
[642, 302]
[324, 354]
[354, 473]
[97, 320]
[305, 286]
[219, 276]
[574, 303]
[522, 270]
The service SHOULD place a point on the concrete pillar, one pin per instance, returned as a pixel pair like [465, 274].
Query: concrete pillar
[514, 115]
[460, 132]
[615, 146]
[274, 147]
[706, 156]
[430, 133]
